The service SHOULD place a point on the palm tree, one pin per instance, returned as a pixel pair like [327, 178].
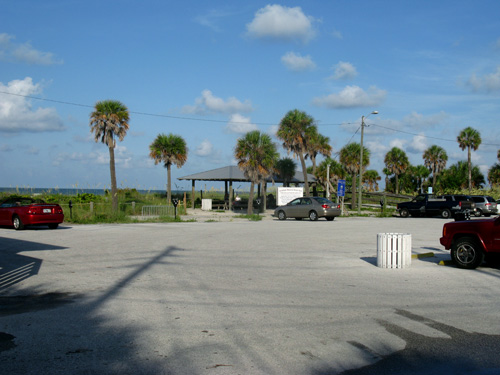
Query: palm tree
[335, 172]
[494, 174]
[318, 144]
[109, 120]
[396, 162]
[455, 177]
[421, 172]
[435, 159]
[257, 156]
[388, 183]
[349, 157]
[370, 177]
[169, 149]
[471, 139]
[296, 130]
[285, 168]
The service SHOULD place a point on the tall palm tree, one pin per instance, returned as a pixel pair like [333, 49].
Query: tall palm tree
[170, 150]
[349, 157]
[109, 121]
[257, 155]
[295, 130]
[285, 167]
[396, 162]
[471, 139]
[318, 144]
[435, 159]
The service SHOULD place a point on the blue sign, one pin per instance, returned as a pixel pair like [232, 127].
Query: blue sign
[341, 188]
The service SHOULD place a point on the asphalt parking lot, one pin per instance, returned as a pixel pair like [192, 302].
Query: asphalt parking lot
[241, 297]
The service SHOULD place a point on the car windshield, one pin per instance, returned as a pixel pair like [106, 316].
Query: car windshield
[20, 201]
[490, 199]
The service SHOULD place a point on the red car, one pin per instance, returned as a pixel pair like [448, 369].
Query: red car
[20, 211]
[471, 241]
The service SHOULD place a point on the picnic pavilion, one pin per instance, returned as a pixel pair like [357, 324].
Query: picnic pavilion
[232, 174]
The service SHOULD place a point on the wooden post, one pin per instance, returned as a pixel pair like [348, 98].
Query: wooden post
[192, 193]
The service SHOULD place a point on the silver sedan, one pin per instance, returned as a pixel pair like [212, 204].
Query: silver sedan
[311, 207]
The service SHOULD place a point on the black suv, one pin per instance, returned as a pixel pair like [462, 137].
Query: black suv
[447, 206]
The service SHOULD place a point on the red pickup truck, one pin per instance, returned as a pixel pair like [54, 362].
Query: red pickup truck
[470, 241]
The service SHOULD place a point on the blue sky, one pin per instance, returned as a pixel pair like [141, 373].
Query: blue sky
[212, 70]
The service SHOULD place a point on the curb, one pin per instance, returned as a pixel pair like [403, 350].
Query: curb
[424, 255]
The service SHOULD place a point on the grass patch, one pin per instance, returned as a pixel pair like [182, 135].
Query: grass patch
[253, 217]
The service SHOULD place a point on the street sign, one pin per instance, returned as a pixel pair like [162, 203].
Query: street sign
[341, 188]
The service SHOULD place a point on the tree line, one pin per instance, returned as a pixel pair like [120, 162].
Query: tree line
[257, 156]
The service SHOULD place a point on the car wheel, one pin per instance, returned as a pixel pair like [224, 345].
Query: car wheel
[445, 214]
[478, 213]
[53, 226]
[466, 253]
[330, 218]
[282, 215]
[313, 216]
[17, 222]
[404, 212]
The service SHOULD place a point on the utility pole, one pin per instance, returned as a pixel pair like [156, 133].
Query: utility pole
[361, 162]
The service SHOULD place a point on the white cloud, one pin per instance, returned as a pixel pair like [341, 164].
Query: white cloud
[376, 147]
[211, 19]
[17, 114]
[399, 143]
[297, 63]
[208, 103]
[417, 145]
[281, 22]
[351, 97]
[418, 121]
[487, 83]
[25, 53]
[6, 148]
[337, 34]
[123, 157]
[344, 70]
[205, 148]
[240, 124]
[273, 129]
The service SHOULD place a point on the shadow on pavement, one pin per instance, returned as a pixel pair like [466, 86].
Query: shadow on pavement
[460, 353]
[14, 267]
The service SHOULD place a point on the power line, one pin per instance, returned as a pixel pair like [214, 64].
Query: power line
[428, 136]
[235, 122]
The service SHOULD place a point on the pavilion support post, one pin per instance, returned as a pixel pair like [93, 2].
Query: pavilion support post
[230, 194]
[192, 193]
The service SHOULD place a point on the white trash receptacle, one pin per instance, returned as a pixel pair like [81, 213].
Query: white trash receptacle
[206, 204]
[393, 250]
